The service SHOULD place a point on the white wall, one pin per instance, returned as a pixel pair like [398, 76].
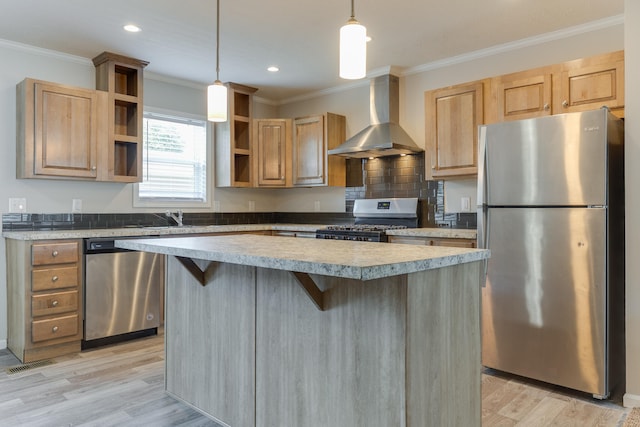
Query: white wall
[632, 199]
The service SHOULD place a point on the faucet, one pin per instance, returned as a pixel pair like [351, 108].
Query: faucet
[177, 217]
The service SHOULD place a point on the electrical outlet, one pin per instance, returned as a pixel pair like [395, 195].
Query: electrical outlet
[216, 205]
[252, 206]
[17, 205]
[316, 206]
[76, 206]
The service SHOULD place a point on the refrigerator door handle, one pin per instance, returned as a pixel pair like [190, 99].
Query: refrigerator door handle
[482, 159]
[482, 232]
[483, 239]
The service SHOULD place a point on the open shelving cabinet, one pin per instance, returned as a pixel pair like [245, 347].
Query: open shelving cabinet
[234, 149]
[121, 78]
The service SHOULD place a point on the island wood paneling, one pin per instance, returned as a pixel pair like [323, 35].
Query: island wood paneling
[250, 348]
[209, 333]
[343, 366]
[443, 347]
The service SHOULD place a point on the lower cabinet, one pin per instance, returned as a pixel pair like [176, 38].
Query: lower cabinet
[431, 241]
[44, 284]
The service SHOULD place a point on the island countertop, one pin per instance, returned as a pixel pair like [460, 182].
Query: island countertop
[337, 258]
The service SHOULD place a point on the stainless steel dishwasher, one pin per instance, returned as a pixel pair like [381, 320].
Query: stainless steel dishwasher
[121, 292]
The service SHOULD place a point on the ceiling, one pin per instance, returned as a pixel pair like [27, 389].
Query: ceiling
[300, 37]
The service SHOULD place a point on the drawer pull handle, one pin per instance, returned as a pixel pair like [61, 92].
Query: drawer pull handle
[54, 253]
[565, 104]
[54, 329]
[54, 279]
[54, 303]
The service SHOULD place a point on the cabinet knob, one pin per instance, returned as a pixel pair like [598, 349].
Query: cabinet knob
[565, 104]
[54, 303]
[54, 279]
[93, 168]
[54, 253]
[54, 329]
[546, 107]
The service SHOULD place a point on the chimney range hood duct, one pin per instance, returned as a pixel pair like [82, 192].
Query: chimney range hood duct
[384, 136]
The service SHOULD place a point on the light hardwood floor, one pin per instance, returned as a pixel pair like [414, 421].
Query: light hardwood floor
[123, 385]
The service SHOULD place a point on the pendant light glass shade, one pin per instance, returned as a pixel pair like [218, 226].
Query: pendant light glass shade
[353, 49]
[217, 92]
[217, 102]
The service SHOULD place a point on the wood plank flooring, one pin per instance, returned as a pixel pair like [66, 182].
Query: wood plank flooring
[123, 385]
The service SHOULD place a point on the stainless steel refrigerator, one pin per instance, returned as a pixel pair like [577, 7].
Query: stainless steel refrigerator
[551, 210]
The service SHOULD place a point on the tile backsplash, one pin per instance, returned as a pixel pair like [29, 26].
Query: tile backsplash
[382, 177]
[404, 176]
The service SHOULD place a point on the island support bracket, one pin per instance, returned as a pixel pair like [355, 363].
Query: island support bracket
[306, 282]
[194, 269]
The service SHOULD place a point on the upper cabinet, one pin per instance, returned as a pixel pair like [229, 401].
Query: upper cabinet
[452, 118]
[452, 114]
[313, 136]
[121, 77]
[58, 130]
[590, 83]
[66, 132]
[233, 144]
[272, 152]
[580, 85]
[524, 95]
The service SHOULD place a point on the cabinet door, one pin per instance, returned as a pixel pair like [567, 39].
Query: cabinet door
[273, 141]
[524, 95]
[309, 151]
[591, 83]
[65, 136]
[452, 118]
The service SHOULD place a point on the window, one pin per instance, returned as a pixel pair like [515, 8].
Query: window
[174, 161]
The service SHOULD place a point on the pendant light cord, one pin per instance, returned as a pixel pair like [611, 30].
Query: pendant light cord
[353, 14]
[218, 41]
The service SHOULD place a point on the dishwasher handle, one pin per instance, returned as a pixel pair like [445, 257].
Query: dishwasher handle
[101, 246]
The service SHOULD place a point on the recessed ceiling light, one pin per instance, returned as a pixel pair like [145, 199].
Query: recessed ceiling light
[273, 69]
[132, 28]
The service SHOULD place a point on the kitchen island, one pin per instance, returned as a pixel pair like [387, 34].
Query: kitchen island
[279, 331]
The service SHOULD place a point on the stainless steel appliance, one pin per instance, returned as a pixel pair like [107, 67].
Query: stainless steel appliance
[551, 210]
[372, 218]
[121, 292]
[384, 136]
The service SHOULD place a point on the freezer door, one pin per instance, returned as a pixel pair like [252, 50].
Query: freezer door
[544, 310]
[555, 160]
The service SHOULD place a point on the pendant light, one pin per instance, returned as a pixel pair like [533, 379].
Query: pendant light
[353, 49]
[217, 92]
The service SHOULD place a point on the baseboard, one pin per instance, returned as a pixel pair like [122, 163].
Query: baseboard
[3, 344]
[631, 400]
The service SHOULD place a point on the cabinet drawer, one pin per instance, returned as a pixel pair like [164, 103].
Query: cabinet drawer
[54, 278]
[58, 327]
[54, 303]
[54, 253]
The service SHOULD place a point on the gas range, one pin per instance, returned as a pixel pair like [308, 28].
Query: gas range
[373, 217]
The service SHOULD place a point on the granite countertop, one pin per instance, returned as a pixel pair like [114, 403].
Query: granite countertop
[203, 229]
[442, 233]
[338, 258]
[153, 231]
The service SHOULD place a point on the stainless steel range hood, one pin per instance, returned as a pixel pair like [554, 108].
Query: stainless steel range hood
[384, 136]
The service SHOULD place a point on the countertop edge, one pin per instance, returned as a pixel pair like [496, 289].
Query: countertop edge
[310, 259]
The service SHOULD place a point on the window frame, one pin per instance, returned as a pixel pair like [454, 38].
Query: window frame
[179, 203]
